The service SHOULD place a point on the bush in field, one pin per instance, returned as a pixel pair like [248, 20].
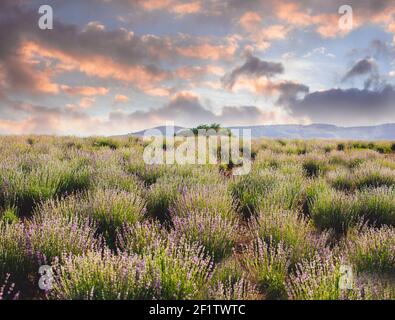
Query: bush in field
[148, 174]
[215, 233]
[56, 235]
[314, 166]
[201, 197]
[288, 193]
[341, 179]
[373, 250]
[295, 232]
[108, 209]
[376, 206]
[106, 142]
[317, 279]
[140, 238]
[371, 175]
[104, 276]
[240, 290]
[268, 265]
[230, 270]
[13, 252]
[183, 268]
[23, 248]
[113, 177]
[333, 210]
[9, 215]
[248, 190]
[162, 196]
[24, 189]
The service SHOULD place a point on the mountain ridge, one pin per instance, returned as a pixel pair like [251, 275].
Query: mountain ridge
[312, 131]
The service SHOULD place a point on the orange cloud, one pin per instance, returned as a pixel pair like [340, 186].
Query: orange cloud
[207, 51]
[327, 25]
[121, 98]
[155, 4]
[85, 91]
[250, 21]
[86, 102]
[100, 66]
[195, 72]
[187, 8]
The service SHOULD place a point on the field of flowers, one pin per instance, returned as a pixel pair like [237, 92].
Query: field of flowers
[113, 227]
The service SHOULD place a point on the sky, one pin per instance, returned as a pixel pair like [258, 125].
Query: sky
[112, 67]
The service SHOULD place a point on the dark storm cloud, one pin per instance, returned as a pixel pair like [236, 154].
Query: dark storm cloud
[254, 68]
[289, 92]
[362, 67]
[351, 106]
[366, 68]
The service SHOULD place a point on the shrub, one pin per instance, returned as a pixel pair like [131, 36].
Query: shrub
[23, 190]
[162, 196]
[373, 176]
[333, 210]
[295, 232]
[141, 238]
[288, 193]
[248, 190]
[106, 142]
[13, 248]
[228, 270]
[314, 166]
[317, 279]
[268, 265]
[104, 276]
[216, 234]
[148, 174]
[53, 236]
[341, 180]
[113, 177]
[240, 290]
[108, 209]
[373, 250]
[183, 268]
[200, 197]
[377, 206]
[9, 215]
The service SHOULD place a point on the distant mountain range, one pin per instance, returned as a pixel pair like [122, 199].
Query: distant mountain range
[312, 131]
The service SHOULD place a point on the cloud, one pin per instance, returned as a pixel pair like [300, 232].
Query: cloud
[347, 107]
[365, 67]
[184, 109]
[250, 21]
[87, 102]
[254, 68]
[362, 67]
[321, 50]
[187, 8]
[85, 91]
[203, 50]
[288, 91]
[121, 98]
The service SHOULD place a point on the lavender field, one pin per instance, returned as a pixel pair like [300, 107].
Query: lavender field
[312, 220]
